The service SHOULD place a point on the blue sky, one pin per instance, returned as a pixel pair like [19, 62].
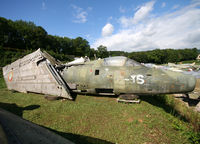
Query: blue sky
[128, 25]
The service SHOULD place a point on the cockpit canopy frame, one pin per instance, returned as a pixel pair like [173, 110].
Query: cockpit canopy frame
[120, 61]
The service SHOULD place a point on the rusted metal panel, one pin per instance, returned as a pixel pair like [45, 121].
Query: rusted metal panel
[34, 73]
[119, 82]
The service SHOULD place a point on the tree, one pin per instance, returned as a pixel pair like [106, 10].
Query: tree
[93, 53]
[102, 51]
[80, 47]
[27, 36]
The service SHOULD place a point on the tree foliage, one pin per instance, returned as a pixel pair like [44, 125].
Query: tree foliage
[164, 56]
[27, 36]
[102, 52]
[18, 38]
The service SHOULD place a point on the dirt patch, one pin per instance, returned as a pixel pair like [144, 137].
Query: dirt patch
[130, 119]
[155, 135]
[140, 120]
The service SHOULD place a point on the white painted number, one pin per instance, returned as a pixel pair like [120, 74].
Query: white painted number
[139, 79]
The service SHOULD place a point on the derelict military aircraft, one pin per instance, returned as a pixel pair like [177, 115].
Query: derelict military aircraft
[40, 73]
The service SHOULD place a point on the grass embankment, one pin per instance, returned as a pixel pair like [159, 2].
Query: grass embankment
[92, 119]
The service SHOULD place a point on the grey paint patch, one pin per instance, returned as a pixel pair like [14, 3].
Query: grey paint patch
[35, 73]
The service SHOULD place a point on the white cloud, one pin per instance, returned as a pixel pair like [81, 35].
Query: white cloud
[107, 30]
[175, 7]
[122, 10]
[89, 8]
[143, 11]
[80, 15]
[141, 14]
[163, 5]
[178, 29]
[44, 5]
[125, 22]
[110, 18]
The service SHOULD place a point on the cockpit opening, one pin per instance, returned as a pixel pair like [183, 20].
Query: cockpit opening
[120, 61]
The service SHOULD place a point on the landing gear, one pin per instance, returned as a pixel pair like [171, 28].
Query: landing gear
[128, 98]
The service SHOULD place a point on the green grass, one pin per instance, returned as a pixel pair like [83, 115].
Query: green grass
[92, 119]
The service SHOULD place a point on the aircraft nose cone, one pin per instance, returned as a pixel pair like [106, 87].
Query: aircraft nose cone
[188, 81]
[180, 83]
[192, 82]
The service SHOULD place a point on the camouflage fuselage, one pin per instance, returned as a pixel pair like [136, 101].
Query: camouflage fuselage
[95, 78]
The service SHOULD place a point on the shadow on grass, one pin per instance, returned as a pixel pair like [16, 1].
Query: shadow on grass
[78, 139]
[13, 108]
[191, 102]
[161, 101]
[74, 95]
